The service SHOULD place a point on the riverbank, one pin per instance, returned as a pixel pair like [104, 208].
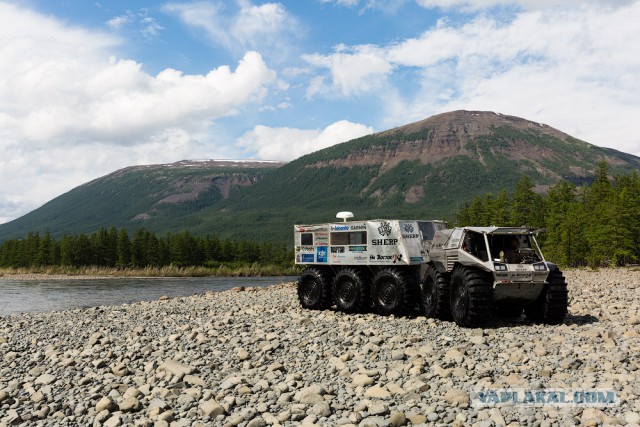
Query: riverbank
[254, 357]
[66, 272]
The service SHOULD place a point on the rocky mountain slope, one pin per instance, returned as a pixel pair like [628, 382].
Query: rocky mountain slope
[425, 169]
[422, 170]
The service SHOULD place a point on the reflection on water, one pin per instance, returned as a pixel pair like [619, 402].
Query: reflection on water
[19, 296]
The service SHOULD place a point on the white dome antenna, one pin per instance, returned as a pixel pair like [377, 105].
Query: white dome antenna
[344, 215]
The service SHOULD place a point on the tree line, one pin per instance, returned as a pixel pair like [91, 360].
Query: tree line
[116, 249]
[593, 225]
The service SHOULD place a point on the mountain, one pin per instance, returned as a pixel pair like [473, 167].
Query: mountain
[159, 197]
[425, 169]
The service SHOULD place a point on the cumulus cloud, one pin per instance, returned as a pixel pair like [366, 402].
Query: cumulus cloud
[570, 67]
[264, 27]
[70, 110]
[284, 143]
[352, 71]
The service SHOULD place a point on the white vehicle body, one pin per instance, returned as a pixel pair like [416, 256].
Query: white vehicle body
[394, 265]
[364, 243]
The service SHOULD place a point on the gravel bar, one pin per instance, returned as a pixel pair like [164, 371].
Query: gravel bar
[253, 357]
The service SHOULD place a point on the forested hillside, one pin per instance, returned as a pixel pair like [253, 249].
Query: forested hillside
[426, 169]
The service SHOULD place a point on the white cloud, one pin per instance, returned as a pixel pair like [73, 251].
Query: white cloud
[573, 68]
[353, 71]
[264, 27]
[70, 111]
[120, 21]
[269, 143]
[364, 5]
[570, 68]
[148, 26]
[475, 5]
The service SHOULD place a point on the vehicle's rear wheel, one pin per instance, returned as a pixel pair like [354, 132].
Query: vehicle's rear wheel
[434, 295]
[393, 292]
[551, 305]
[314, 289]
[470, 296]
[352, 291]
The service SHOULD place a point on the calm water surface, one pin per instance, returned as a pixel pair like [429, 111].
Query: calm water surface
[20, 296]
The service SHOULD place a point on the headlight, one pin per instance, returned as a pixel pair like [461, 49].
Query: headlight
[500, 267]
[539, 267]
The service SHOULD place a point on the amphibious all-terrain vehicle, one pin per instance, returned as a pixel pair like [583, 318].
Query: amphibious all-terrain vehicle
[396, 266]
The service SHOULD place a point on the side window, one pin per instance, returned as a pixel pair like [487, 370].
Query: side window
[427, 230]
[358, 238]
[350, 238]
[454, 239]
[474, 244]
[306, 239]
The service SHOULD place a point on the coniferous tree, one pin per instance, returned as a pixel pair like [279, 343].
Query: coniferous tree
[124, 250]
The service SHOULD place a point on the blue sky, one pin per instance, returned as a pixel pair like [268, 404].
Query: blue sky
[90, 87]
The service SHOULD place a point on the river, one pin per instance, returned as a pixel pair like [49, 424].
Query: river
[31, 296]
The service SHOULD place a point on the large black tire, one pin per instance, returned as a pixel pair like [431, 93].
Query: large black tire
[551, 305]
[434, 295]
[470, 296]
[314, 289]
[352, 291]
[394, 292]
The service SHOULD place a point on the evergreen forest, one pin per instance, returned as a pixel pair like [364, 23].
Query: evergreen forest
[594, 225]
[114, 248]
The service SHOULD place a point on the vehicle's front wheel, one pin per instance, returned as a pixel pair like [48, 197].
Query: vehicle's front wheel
[551, 305]
[470, 296]
[314, 289]
[434, 295]
[393, 291]
[351, 291]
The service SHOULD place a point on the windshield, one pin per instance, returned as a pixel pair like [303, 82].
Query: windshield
[514, 248]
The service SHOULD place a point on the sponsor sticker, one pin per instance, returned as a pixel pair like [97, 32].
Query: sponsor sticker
[357, 248]
[306, 258]
[337, 249]
[410, 236]
[416, 258]
[408, 228]
[303, 228]
[321, 239]
[393, 258]
[360, 258]
[339, 228]
[384, 229]
[321, 254]
[346, 227]
[384, 242]
[306, 249]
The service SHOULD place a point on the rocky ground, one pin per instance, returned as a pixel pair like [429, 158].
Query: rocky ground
[255, 358]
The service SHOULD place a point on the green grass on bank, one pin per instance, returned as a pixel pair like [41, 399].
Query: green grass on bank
[254, 270]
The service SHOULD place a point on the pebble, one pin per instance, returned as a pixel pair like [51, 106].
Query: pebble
[256, 358]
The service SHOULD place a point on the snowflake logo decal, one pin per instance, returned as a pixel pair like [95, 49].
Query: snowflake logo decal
[408, 228]
[384, 229]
